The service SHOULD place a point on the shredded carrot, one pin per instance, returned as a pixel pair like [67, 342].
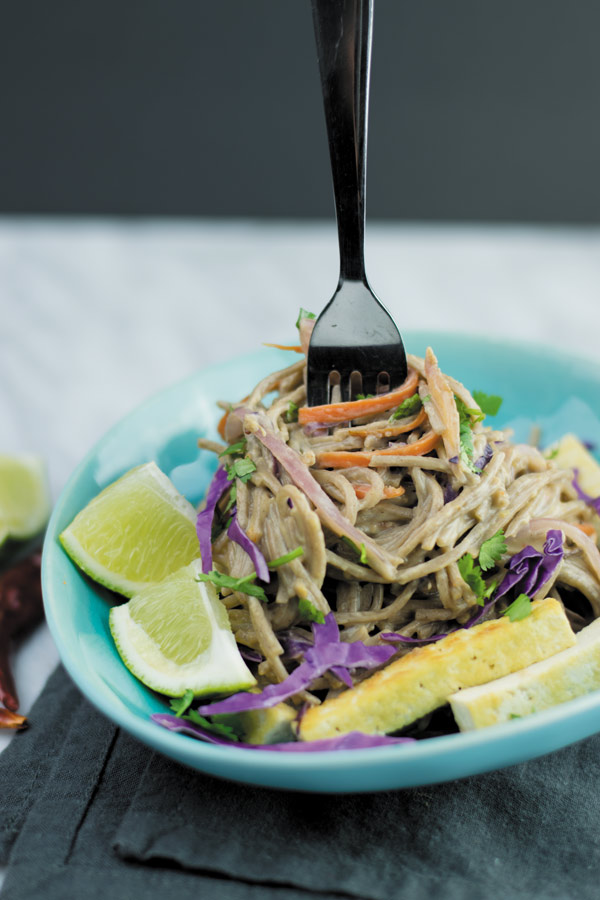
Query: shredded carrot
[345, 459]
[221, 425]
[295, 347]
[361, 491]
[333, 413]
[587, 528]
[389, 429]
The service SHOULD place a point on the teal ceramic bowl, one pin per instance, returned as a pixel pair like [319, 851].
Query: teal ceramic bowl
[557, 392]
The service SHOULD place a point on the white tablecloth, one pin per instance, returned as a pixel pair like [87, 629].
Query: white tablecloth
[96, 315]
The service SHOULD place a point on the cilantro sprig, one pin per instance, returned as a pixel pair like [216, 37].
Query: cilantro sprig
[519, 608]
[490, 553]
[234, 449]
[181, 705]
[304, 314]
[361, 551]
[242, 469]
[286, 558]
[489, 404]
[309, 611]
[291, 414]
[467, 418]
[243, 585]
[408, 407]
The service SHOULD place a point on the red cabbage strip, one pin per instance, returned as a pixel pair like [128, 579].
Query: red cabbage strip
[204, 521]
[594, 502]
[355, 740]
[236, 533]
[326, 509]
[484, 459]
[327, 652]
[528, 571]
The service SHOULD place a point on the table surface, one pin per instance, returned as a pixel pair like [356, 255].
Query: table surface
[97, 315]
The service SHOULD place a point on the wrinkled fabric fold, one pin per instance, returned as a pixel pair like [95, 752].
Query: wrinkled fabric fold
[86, 811]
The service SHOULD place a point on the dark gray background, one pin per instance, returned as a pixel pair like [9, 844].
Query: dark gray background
[480, 110]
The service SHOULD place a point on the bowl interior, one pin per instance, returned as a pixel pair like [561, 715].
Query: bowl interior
[555, 392]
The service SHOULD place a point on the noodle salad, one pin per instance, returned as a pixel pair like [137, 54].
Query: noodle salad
[358, 535]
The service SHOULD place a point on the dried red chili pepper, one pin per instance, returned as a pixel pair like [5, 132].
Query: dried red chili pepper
[21, 608]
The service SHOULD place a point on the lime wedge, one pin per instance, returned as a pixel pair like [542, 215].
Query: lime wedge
[175, 636]
[24, 496]
[135, 532]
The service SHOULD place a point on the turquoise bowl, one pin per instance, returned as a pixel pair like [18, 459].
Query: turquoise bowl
[559, 393]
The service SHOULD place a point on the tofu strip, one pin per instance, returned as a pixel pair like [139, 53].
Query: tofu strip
[424, 679]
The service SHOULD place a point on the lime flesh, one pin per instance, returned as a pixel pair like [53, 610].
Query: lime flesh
[175, 636]
[24, 496]
[136, 532]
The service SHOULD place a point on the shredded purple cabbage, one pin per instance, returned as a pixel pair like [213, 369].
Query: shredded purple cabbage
[529, 569]
[594, 502]
[327, 653]
[589, 445]
[484, 459]
[315, 429]
[236, 533]
[204, 520]
[453, 460]
[450, 494]
[355, 740]
[250, 655]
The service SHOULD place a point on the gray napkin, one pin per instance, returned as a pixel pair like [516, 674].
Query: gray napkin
[86, 810]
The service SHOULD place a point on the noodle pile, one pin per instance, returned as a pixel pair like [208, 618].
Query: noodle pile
[414, 506]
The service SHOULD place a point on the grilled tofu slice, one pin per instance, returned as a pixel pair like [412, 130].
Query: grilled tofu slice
[423, 680]
[570, 673]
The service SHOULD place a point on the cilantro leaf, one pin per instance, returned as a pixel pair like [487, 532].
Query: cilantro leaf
[180, 704]
[243, 585]
[551, 454]
[466, 435]
[292, 412]
[216, 727]
[233, 449]
[471, 573]
[361, 551]
[242, 469]
[309, 611]
[408, 407]
[492, 550]
[364, 396]
[232, 498]
[488, 403]
[519, 608]
[304, 314]
[286, 558]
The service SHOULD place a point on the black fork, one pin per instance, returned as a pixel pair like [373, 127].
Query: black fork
[354, 333]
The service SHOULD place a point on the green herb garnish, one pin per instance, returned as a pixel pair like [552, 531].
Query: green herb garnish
[471, 573]
[467, 419]
[232, 498]
[180, 704]
[292, 412]
[488, 403]
[309, 611]
[552, 454]
[242, 469]
[519, 608]
[233, 449]
[408, 407]
[216, 727]
[361, 551]
[286, 558]
[304, 314]
[242, 585]
[492, 550]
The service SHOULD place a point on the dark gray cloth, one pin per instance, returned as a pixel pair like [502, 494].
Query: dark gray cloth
[86, 812]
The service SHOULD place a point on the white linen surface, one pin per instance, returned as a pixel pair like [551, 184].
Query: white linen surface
[96, 315]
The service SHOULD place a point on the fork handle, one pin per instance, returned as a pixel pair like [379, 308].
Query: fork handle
[343, 34]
